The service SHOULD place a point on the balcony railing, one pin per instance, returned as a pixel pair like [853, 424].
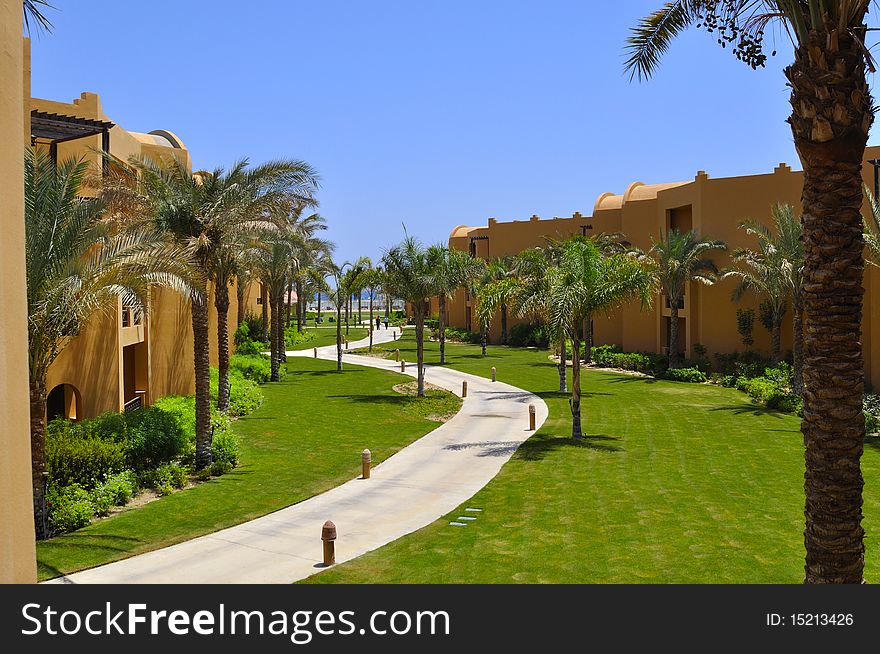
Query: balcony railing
[133, 405]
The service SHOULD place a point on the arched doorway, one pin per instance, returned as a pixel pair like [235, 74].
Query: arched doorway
[63, 401]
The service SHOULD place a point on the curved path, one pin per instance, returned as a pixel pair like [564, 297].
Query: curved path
[417, 485]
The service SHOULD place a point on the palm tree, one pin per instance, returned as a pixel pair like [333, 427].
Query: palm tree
[79, 263]
[679, 261]
[775, 270]
[33, 15]
[452, 270]
[586, 282]
[409, 276]
[208, 215]
[345, 277]
[832, 113]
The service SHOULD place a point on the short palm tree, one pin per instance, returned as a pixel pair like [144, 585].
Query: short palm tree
[680, 260]
[79, 263]
[775, 271]
[586, 282]
[409, 275]
[452, 270]
[345, 277]
[831, 114]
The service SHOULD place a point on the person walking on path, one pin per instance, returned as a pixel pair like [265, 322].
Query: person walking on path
[378, 322]
[386, 322]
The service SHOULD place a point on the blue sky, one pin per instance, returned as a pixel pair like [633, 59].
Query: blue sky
[425, 113]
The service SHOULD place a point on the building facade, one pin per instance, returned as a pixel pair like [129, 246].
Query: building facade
[713, 207]
[128, 357]
[17, 556]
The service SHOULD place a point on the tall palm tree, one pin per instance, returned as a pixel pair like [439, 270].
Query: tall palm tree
[33, 15]
[680, 260]
[775, 270]
[345, 277]
[409, 275]
[832, 113]
[79, 263]
[207, 215]
[584, 283]
[452, 270]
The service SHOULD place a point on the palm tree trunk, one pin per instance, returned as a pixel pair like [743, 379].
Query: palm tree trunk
[776, 341]
[504, 324]
[264, 296]
[38, 453]
[221, 303]
[347, 312]
[484, 339]
[576, 431]
[673, 334]
[371, 320]
[441, 327]
[798, 346]
[318, 316]
[420, 349]
[300, 306]
[563, 384]
[277, 335]
[240, 289]
[360, 319]
[588, 340]
[287, 317]
[830, 121]
[339, 335]
[202, 366]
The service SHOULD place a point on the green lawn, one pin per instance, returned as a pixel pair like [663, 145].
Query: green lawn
[328, 336]
[305, 439]
[677, 483]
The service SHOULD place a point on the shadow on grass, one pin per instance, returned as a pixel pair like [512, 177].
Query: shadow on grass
[631, 379]
[873, 441]
[754, 409]
[537, 447]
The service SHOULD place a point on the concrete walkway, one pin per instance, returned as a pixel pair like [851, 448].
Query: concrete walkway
[408, 491]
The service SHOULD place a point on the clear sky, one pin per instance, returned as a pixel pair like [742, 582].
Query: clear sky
[427, 113]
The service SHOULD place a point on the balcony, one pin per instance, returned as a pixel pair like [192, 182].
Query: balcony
[132, 325]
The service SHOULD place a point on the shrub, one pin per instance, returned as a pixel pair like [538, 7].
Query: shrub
[226, 448]
[463, 336]
[120, 488]
[872, 423]
[528, 335]
[165, 478]
[182, 409]
[72, 456]
[242, 334]
[253, 367]
[154, 436]
[218, 468]
[601, 354]
[690, 375]
[250, 348]
[255, 326]
[294, 337]
[244, 395]
[69, 508]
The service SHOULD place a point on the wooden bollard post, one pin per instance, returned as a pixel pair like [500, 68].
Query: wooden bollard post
[316, 353]
[494, 373]
[464, 388]
[403, 366]
[346, 343]
[366, 462]
[397, 355]
[328, 536]
[531, 417]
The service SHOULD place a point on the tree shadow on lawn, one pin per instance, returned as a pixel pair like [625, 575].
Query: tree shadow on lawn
[540, 445]
[623, 378]
[873, 441]
[753, 409]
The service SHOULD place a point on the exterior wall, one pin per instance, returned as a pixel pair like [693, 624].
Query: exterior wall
[17, 557]
[713, 207]
[109, 364]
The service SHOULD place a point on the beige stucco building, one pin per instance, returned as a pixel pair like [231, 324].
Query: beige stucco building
[714, 207]
[17, 559]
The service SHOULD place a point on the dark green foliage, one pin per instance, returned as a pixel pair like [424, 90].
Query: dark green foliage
[166, 478]
[244, 394]
[765, 313]
[226, 448]
[610, 356]
[293, 337]
[254, 326]
[153, 437]
[528, 335]
[463, 336]
[242, 334]
[73, 455]
[745, 324]
[690, 375]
